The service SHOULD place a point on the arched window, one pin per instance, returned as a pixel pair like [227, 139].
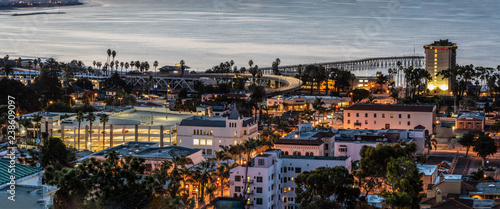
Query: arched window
[286, 153]
[282, 153]
[307, 153]
[298, 153]
[311, 154]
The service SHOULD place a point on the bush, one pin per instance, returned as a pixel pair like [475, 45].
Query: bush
[84, 108]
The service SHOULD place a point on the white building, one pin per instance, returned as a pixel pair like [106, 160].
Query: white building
[270, 179]
[348, 142]
[380, 116]
[307, 141]
[207, 133]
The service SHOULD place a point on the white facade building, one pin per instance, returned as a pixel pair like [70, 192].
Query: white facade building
[395, 116]
[301, 103]
[207, 133]
[348, 142]
[270, 179]
[307, 141]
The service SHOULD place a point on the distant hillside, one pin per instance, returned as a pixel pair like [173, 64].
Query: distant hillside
[13, 4]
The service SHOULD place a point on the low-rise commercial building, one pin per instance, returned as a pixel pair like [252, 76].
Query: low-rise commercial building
[307, 141]
[348, 142]
[470, 120]
[301, 103]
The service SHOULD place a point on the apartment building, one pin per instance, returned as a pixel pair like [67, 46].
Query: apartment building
[348, 142]
[207, 133]
[270, 178]
[307, 141]
[390, 116]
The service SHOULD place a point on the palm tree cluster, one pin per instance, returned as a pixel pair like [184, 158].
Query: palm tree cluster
[314, 75]
[462, 78]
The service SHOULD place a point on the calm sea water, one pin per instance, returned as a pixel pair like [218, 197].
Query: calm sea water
[207, 32]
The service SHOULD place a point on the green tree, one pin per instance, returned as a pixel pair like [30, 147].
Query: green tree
[484, 146]
[315, 188]
[115, 82]
[469, 139]
[48, 86]
[58, 107]
[90, 118]
[26, 98]
[56, 154]
[79, 118]
[373, 164]
[248, 146]
[430, 142]
[480, 176]
[104, 118]
[84, 83]
[359, 94]
[404, 176]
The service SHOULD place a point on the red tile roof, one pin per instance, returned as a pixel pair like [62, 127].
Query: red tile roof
[391, 107]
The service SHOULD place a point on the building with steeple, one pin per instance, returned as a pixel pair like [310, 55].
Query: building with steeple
[207, 133]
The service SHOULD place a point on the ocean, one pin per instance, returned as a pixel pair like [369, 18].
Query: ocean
[204, 33]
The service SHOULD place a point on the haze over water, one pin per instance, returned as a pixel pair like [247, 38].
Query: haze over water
[206, 32]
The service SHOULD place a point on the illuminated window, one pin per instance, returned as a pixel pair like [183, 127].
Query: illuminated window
[202, 141]
[435, 51]
[209, 142]
[435, 63]
[392, 115]
[435, 55]
[235, 133]
[383, 115]
[284, 190]
[361, 81]
[219, 141]
[235, 142]
[435, 60]
[196, 142]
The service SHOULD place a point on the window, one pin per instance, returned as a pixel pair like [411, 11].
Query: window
[366, 121]
[348, 121]
[286, 153]
[392, 116]
[261, 162]
[374, 122]
[203, 151]
[197, 132]
[259, 189]
[366, 115]
[399, 115]
[211, 132]
[209, 142]
[245, 132]
[202, 141]
[357, 114]
[196, 142]
[235, 133]
[408, 122]
[259, 179]
[298, 169]
[209, 151]
[342, 149]
[383, 115]
[194, 132]
[408, 115]
[326, 146]
[237, 189]
[237, 178]
[235, 142]
[348, 114]
[374, 115]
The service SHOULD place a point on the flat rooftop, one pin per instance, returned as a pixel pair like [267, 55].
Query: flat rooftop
[343, 158]
[324, 98]
[427, 169]
[368, 135]
[472, 115]
[392, 107]
[148, 150]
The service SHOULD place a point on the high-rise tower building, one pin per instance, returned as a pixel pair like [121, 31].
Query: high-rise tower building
[439, 56]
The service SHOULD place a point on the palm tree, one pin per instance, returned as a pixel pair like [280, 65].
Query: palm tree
[222, 172]
[132, 64]
[26, 123]
[155, 64]
[79, 118]
[37, 119]
[8, 70]
[430, 142]
[5, 60]
[248, 146]
[318, 106]
[113, 53]
[103, 119]
[182, 67]
[127, 66]
[204, 176]
[109, 55]
[91, 119]
[225, 150]
[121, 67]
[178, 162]
[236, 150]
[480, 176]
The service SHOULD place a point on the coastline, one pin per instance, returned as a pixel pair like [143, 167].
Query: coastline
[19, 6]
